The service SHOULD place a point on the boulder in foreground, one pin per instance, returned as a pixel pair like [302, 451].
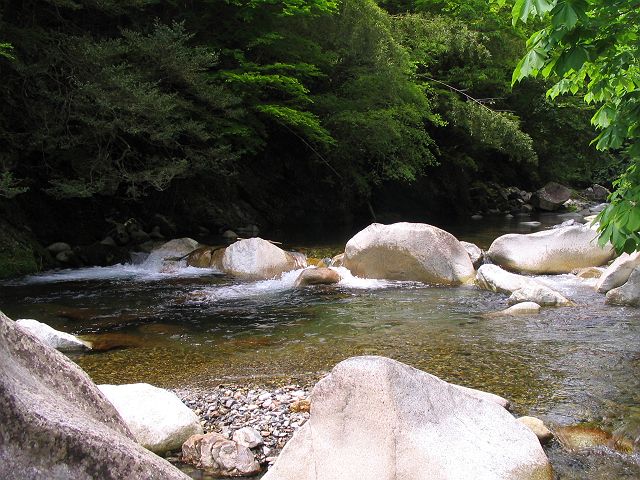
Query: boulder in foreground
[56, 424]
[317, 276]
[618, 272]
[376, 418]
[628, 294]
[158, 419]
[408, 251]
[560, 250]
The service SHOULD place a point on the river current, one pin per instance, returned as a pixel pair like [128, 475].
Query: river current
[197, 328]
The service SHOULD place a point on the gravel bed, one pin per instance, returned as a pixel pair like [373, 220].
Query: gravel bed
[275, 413]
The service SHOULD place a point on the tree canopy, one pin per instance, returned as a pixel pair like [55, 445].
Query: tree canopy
[591, 48]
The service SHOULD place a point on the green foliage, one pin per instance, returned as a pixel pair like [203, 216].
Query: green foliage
[6, 50]
[593, 49]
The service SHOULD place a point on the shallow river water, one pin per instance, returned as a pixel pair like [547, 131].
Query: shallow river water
[196, 328]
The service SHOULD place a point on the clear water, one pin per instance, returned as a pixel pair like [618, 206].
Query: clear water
[196, 328]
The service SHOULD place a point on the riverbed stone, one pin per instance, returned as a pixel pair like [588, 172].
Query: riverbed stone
[57, 247]
[258, 259]
[56, 424]
[218, 455]
[62, 341]
[247, 436]
[589, 272]
[618, 272]
[538, 427]
[376, 418]
[337, 261]
[317, 276]
[627, 294]
[558, 250]
[158, 419]
[408, 251]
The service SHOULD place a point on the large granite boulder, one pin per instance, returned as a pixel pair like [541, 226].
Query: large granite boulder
[408, 251]
[522, 289]
[158, 419]
[165, 258]
[376, 418]
[628, 294]
[257, 259]
[56, 425]
[618, 272]
[65, 342]
[550, 197]
[559, 250]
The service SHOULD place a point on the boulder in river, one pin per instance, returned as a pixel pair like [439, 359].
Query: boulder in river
[408, 251]
[618, 272]
[627, 294]
[317, 276]
[376, 418]
[56, 424]
[551, 196]
[559, 250]
[538, 427]
[206, 257]
[219, 456]
[62, 341]
[522, 308]
[521, 288]
[158, 419]
[258, 259]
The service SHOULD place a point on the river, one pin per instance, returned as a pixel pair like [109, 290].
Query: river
[197, 328]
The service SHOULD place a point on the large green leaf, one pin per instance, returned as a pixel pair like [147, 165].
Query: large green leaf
[564, 15]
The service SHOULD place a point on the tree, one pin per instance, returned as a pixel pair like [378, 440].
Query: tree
[591, 48]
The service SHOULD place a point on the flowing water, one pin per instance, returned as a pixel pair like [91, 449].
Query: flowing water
[197, 328]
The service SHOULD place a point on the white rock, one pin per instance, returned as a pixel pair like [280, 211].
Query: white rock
[522, 308]
[157, 418]
[375, 418]
[62, 341]
[408, 251]
[256, 259]
[627, 294]
[247, 436]
[540, 294]
[551, 251]
[618, 272]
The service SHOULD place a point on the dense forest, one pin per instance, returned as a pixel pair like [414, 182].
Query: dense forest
[287, 114]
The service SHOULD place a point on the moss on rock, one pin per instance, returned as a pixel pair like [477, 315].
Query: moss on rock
[19, 253]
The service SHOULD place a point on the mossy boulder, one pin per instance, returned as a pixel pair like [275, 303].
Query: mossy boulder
[20, 254]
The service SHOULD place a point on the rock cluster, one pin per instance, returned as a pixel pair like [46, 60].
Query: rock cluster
[275, 414]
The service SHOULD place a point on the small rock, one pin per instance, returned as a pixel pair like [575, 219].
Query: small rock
[58, 247]
[248, 437]
[219, 456]
[538, 427]
[300, 406]
[522, 308]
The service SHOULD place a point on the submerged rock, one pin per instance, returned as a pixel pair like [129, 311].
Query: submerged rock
[157, 418]
[218, 455]
[408, 251]
[559, 250]
[65, 342]
[258, 259]
[522, 308]
[56, 424]
[317, 276]
[540, 294]
[376, 418]
[618, 272]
